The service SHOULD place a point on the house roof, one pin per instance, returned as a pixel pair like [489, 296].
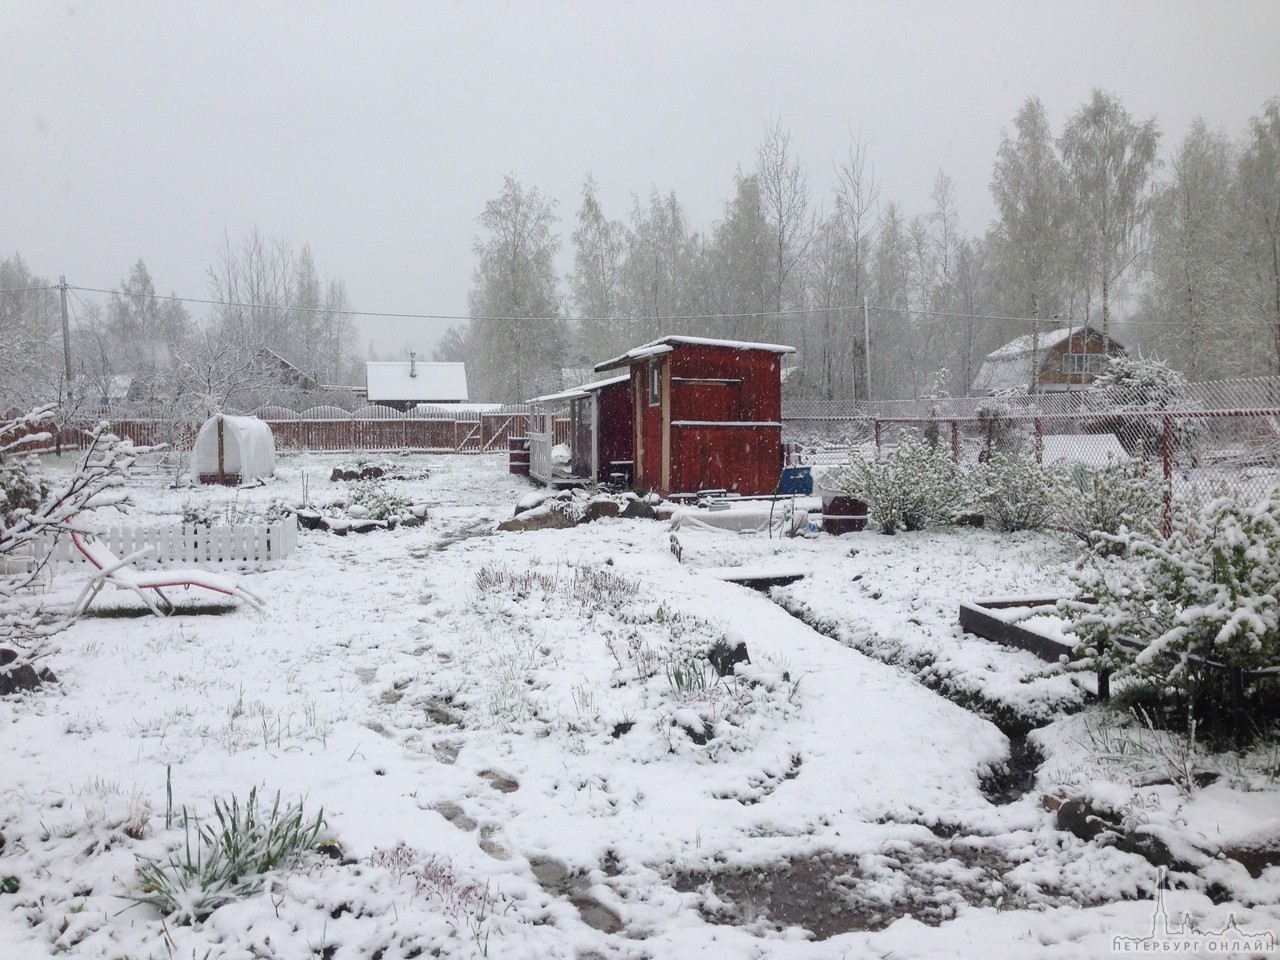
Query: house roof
[419, 381]
[667, 344]
[1009, 366]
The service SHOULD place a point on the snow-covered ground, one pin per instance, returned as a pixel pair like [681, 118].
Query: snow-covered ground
[520, 751]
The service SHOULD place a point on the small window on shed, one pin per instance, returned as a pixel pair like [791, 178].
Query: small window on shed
[655, 383]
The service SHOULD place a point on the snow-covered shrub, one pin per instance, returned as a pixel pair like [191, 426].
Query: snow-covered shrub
[1200, 601]
[33, 509]
[232, 512]
[1017, 492]
[1127, 393]
[370, 499]
[1000, 432]
[911, 487]
[21, 488]
[1100, 502]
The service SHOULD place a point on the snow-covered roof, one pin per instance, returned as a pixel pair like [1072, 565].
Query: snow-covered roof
[578, 393]
[666, 345]
[118, 386]
[573, 393]
[1010, 365]
[601, 384]
[1022, 346]
[421, 381]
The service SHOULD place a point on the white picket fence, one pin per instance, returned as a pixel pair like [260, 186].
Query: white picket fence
[186, 544]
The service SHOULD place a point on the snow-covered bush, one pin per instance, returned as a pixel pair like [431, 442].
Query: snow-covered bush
[1001, 433]
[1127, 393]
[370, 499]
[911, 487]
[1017, 492]
[33, 508]
[21, 488]
[1100, 502]
[231, 513]
[1200, 601]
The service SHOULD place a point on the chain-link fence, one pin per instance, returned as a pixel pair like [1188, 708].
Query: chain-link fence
[1209, 439]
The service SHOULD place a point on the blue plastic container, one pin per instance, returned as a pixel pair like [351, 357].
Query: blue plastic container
[796, 480]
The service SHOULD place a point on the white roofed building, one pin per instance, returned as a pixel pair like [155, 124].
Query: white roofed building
[403, 384]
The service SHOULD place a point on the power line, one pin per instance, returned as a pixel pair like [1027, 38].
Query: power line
[963, 316]
[631, 319]
[755, 314]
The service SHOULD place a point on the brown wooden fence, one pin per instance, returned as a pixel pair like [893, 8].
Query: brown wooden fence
[486, 433]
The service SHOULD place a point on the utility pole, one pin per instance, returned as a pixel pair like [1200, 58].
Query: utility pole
[866, 342]
[66, 329]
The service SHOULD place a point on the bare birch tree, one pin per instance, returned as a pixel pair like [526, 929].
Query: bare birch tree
[1028, 185]
[1194, 256]
[784, 204]
[517, 335]
[1109, 160]
[1258, 206]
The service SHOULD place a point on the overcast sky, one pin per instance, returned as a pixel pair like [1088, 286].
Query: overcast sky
[376, 131]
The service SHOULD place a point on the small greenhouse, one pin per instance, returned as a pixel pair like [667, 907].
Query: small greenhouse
[233, 450]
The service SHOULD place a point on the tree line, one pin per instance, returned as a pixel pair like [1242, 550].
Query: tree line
[1177, 258]
[273, 324]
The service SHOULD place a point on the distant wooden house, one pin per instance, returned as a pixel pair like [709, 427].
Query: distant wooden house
[706, 414]
[403, 384]
[287, 373]
[1065, 359]
[123, 388]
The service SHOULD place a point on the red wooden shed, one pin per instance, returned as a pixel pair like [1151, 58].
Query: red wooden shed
[599, 435]
[707, 414]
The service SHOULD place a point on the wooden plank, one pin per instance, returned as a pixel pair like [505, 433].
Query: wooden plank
[757, 578]
[975, 619]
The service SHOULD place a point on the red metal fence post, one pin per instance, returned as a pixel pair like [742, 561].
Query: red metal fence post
[1039, 425]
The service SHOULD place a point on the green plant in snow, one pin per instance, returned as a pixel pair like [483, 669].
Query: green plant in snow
[1017, 492]
[690, 677]
[224, 861]
[912, 487]
[1194, 605]
[1098, 503]
[375, 501]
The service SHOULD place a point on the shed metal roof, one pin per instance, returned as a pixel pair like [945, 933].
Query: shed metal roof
[667, 344]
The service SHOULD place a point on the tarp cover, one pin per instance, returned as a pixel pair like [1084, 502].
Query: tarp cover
[744, 519]
[248, 448]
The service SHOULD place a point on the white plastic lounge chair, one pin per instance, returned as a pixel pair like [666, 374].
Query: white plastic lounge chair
[149, 585]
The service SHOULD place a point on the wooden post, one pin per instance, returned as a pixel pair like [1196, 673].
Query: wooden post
[222, 471]
[955, 441]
